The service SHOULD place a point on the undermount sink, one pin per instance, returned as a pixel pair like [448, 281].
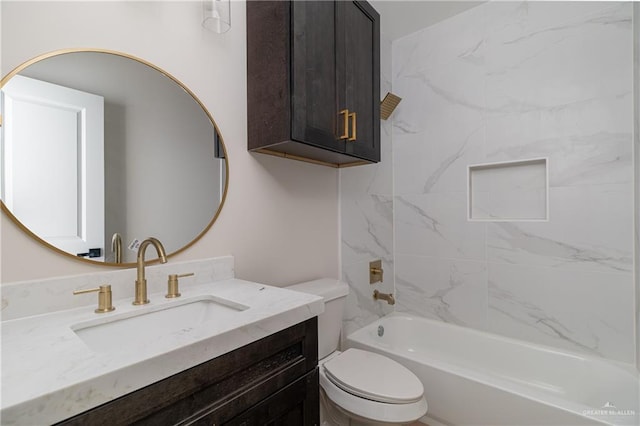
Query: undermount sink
[141, 329]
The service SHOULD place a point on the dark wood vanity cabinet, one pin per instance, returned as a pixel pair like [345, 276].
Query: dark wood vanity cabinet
[313, 80]
[273, 381]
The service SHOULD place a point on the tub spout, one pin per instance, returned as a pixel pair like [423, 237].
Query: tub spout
[388, 297]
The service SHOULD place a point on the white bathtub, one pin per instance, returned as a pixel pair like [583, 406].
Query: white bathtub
[476, 378]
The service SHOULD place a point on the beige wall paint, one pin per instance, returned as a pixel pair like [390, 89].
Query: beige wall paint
[280, 220]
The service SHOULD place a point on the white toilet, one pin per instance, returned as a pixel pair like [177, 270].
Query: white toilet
[359, 387]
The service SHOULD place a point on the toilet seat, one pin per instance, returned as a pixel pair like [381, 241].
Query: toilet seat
[373, 376]
[349, 394]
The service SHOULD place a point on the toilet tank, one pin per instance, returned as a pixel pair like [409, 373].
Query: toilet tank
[334, 293]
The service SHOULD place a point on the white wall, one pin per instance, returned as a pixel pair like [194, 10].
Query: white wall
[280, 220]
[513, 81]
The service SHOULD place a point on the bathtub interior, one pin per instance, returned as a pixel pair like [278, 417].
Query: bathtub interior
[589, 387]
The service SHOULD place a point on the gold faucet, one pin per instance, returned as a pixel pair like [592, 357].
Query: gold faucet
[388, 297]
[116, 247]
[141, 282]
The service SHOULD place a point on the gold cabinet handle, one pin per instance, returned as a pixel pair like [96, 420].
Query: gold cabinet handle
[104, 298]
[354, 127]
[345, 133]
[172, 285]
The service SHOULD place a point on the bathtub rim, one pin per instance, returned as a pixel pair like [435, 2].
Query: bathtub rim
[628, 367]
[361, 337]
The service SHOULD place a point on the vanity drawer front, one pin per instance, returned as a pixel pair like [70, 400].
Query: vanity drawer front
[295, 405]
[221, 388]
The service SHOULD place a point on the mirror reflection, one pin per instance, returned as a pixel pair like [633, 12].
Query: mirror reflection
[101, 150]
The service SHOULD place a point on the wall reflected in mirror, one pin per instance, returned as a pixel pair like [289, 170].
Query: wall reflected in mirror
[101, 150]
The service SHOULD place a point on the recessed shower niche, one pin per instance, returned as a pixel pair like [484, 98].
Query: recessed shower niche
[509, 191]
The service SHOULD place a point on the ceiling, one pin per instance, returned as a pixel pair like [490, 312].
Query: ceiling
[401, 17]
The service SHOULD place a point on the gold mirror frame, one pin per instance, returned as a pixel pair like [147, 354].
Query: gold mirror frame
[44, 243]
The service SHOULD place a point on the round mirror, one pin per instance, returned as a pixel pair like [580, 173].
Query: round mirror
[100, 150]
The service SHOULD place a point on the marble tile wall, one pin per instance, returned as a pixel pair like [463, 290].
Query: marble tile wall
[636, 137]
[509, 81]
[366, 221]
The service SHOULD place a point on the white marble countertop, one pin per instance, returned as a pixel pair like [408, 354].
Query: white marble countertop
[50, 374]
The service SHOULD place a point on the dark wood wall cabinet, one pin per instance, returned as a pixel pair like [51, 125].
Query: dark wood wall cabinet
[273, 381]
[313, 80]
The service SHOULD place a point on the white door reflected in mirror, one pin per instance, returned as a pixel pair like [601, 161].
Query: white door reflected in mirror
[57, 133]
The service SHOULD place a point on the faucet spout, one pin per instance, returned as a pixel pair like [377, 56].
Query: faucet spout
[388, 297]
[116, 247]
[141, 281]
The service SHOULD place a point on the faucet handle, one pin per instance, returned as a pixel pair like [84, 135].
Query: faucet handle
[375, 272]
[104, 298]
[172, 285]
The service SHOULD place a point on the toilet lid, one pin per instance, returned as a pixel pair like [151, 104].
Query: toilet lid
[372, 376]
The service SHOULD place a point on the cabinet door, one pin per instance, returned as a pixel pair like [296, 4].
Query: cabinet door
[359, 49]
[314, 102]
